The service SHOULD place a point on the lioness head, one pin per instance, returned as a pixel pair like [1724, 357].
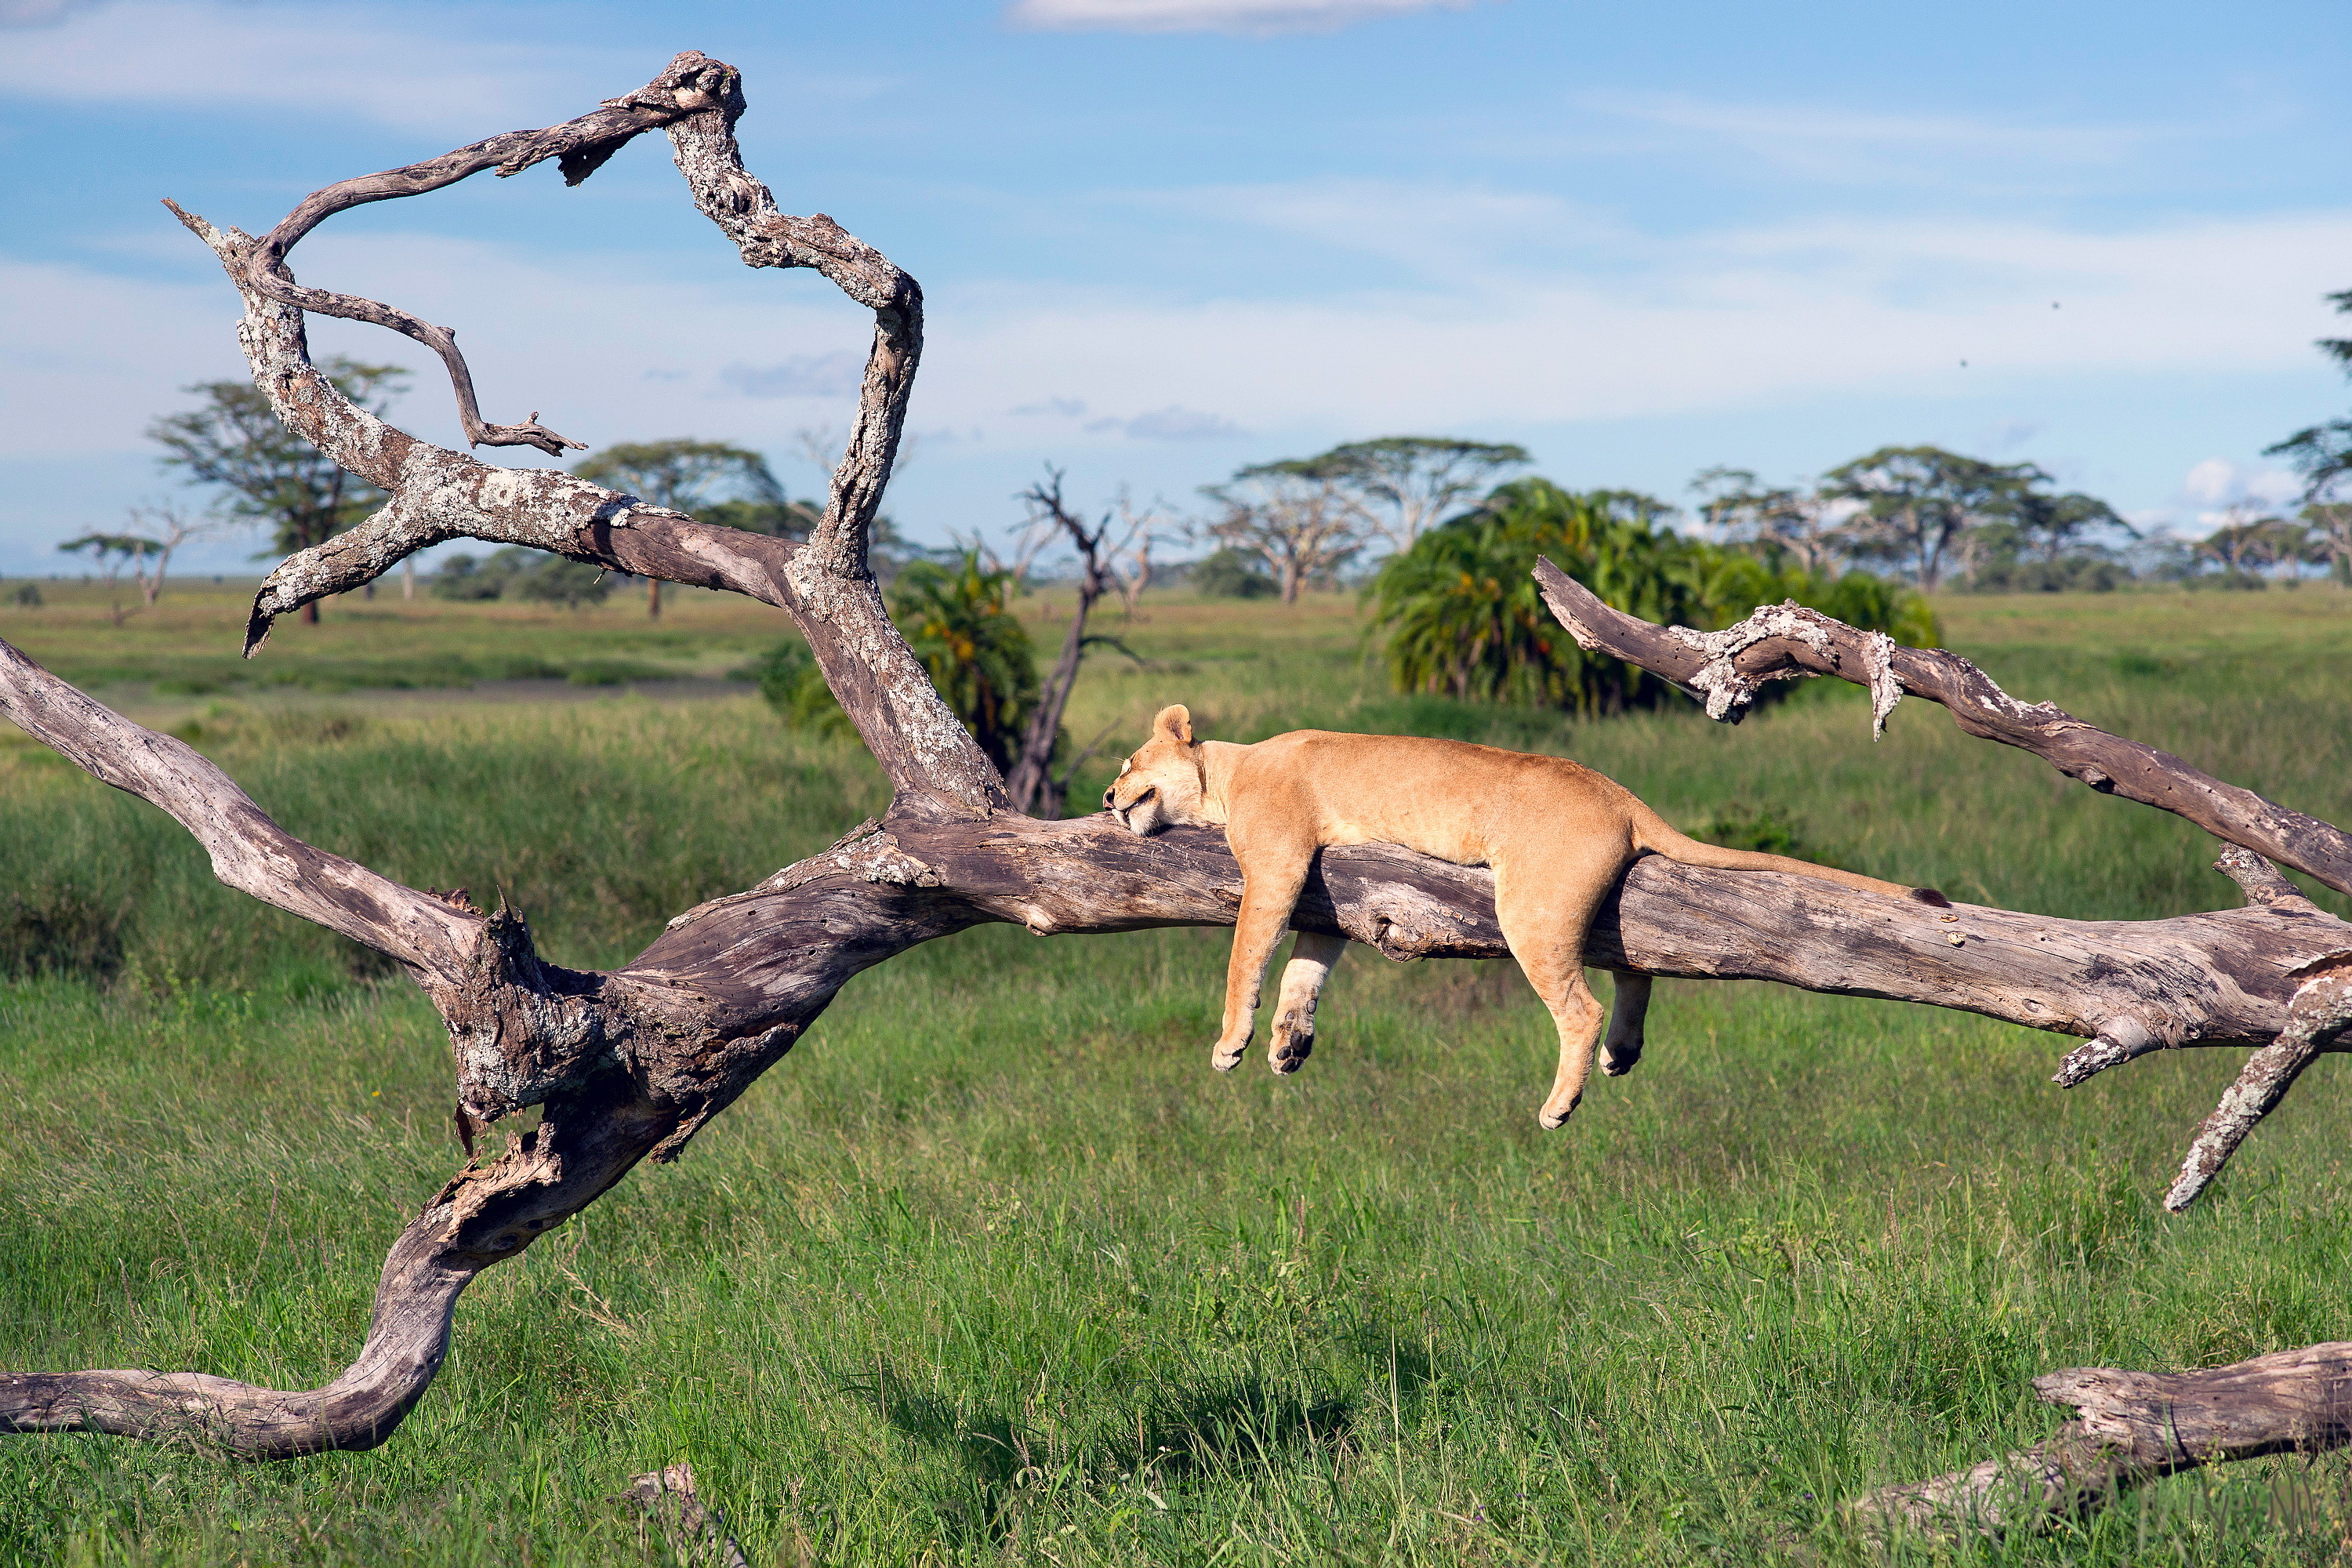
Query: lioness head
[1163, 782]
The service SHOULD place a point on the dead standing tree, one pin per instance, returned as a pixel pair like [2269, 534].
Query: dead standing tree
[1032, 786]
[626, 1065]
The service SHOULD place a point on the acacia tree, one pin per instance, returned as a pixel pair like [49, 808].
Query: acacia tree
[1403, 484]
[683, 475]
[112, 551]
[1297, 515]
[233, 439]
[1914, 502]
[627, 1064]
[1805, 523]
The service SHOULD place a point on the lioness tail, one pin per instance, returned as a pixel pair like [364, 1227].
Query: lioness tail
[1651, 832]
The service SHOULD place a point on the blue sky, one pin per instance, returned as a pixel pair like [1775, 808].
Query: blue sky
[1163, 238]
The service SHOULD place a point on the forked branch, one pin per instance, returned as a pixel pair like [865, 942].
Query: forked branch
[690, 83]
[1726, 669]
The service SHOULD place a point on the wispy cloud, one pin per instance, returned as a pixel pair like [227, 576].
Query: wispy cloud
[1742, 319]
[1244, 17]
[449, 76]
[803, 375]
[1789, 128]
[40, 13]
[1172, 423]
[1060, 408]
[2217, 482]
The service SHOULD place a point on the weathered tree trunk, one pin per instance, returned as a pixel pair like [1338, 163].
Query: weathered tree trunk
[626, 1065]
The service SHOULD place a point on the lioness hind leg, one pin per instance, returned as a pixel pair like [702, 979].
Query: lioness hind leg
[1631, 1007]
[1545, 926]
[1311, 959]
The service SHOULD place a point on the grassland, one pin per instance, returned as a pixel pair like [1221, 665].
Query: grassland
[993, 1269]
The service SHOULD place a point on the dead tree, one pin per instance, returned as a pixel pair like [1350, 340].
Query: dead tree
[1032, 786]
[1130, 561]
[626, 1065]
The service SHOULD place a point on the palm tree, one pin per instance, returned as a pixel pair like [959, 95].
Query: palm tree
[958, 619]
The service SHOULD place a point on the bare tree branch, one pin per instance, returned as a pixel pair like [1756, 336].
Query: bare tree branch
[437, 494]
[1725, 669]
[2134, 1426]
[689, 84]
[250, 852]
[1032, 785]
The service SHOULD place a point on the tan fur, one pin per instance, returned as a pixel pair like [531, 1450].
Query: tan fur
[1557, 834]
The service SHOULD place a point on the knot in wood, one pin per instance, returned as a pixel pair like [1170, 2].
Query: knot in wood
[520, 1030]
[1725, 688]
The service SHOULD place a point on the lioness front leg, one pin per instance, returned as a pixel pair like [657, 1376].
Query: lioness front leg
[1311, 958]
[1271, 878]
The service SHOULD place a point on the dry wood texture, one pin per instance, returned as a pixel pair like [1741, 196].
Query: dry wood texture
[627, 1065]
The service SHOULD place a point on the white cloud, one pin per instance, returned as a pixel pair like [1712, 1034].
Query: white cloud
[1247, 17]
[831, 374]
[345, 61]
[2219, 482]
[1172, 423]
[1740, 320]
[1831, 142]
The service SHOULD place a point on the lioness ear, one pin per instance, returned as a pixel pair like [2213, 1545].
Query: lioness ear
[1175, 722]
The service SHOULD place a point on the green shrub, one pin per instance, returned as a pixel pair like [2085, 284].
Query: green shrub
[791, 684]
[959, 620]
[1460, 614]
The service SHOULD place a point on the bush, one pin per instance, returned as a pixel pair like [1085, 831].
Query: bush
[959, 620]
[465, 578]
[1460, 613]
[1231, 573]
[27, 596]
[2067, 574]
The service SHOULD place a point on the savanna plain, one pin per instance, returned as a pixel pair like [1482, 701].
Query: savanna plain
[993, 1269]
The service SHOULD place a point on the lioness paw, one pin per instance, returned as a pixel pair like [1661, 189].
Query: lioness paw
[1554, 1116]
[1293, 1043]
[1225, 1055]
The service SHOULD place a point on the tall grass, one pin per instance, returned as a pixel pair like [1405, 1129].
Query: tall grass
[994, 1269]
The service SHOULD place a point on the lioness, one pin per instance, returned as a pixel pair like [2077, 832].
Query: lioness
[1557, 835]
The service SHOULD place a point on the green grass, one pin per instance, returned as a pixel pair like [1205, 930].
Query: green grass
[993, 1269]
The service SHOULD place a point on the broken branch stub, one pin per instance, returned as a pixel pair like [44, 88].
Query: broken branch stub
[2131, 1428]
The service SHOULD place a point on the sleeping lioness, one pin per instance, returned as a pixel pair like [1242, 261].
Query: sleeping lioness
[1557, 835]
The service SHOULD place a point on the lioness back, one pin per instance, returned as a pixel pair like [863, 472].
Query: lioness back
[1452, 799]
